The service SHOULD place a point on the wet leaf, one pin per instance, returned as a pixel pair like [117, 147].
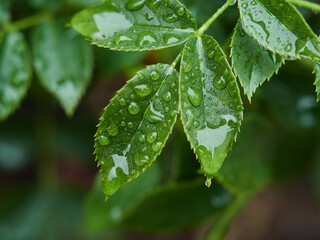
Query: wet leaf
[136, 125]
[4, 11]
[177, 206]
[53, 48]
[15, 72]
[252, 63]
[136, 25]
[211, 107]
[317, 81]
[278, 26]
[101, 215]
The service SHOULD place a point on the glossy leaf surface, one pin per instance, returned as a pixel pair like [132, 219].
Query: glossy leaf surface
[278, 26]
[133, 25]
[177, 206]
[136, 125]
[15, 72]
[317, 81]
[53, 48]
[4, 11]
[252, 63]
[211, 107]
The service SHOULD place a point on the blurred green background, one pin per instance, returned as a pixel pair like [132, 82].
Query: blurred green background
[50, 186]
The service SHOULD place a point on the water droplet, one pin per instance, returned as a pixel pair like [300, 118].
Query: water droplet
[208, 182]
[133, 108]
[169, 39]
[130, 125]
[154, 75]
[154, 3]
[194, 97]
[211, 54]
[187, 67]
[170, 17]
[153, 116]
[167, 96]
[288, 47]
[134, 5]
[157, 146]
[122, 102]
[113, 129]
[145, 39]
[142, 138]
[121, 39]
[151, 137]
[143, 90]
[140, 159]
[244, 5]
[104, 141]
[181, 11]
[219, 82]
[123, 123]
[149, 16]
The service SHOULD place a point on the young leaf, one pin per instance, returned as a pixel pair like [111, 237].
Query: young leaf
[252, 63]
[211, 107]
[136, 125]
[4, 11]
[136, 25]
[317, 82]
[53, 47]
[278, 26]
[15, 72]
[168, 208]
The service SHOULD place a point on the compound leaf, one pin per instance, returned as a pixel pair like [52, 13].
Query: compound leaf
[136, 25]
[278, 26]
[15, 72]
[211, 106]
[53, 47]
[252, 63]
[317, 82]
[136, 125]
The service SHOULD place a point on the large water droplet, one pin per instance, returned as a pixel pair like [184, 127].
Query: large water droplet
[134, 5]
[104, 141]
[194, 97]
[133, 108]
[151, 137]
[143, 90]
[113, 129]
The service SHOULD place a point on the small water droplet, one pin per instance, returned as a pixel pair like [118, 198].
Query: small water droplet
[142, 137]
[170, 17]
[219, 82]
[154, 3]
[194, 97]
[149, 16]
[134, 5]
[157, 146]
[288, 47]
[187, 67]
[154, 75]
[122, 102]
[140, 159]
[244, 5]
[123, 123]
[208, 182]
[113, 130]
[151, 137]
[130, 125]
[133, 108]
[145, 39]
[121, 39]
[143, 90]
[181, 11]
[167, 96]
[104, 141]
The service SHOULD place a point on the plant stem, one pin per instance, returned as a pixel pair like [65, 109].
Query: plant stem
[306, 4]
[27, 22]
[207, 24]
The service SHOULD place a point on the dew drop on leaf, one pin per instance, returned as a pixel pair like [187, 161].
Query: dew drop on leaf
[219, 82]
[170, 17]
[143, 90]
[154, 75]
[167, 96]
[154, 3]
[151, 137]
[134, 5]
[133, 108]
[113, 130]
[104, 141]
[194, 97]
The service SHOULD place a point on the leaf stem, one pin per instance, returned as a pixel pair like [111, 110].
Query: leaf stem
[306, 4]
[207, 24]
[27, 22]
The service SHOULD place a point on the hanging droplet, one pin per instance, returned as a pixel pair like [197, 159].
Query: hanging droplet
[133, 108]
[208, 182]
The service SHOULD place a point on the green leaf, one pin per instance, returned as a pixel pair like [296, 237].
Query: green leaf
[247, 168]
[15, 72]
[101, 215]
[136, 24]
[278, 26]
[252, 63]
[136, 125]
[4, 11]
[211, 106]
[317, 81]
[177, 206]
[53, 48]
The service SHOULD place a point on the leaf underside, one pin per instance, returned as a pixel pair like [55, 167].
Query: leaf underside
[252, 63]
[15, 72]
[136, 125]
[211, 107]
[53, 47]
[278, 26]
[136, 25]
[317, 81]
